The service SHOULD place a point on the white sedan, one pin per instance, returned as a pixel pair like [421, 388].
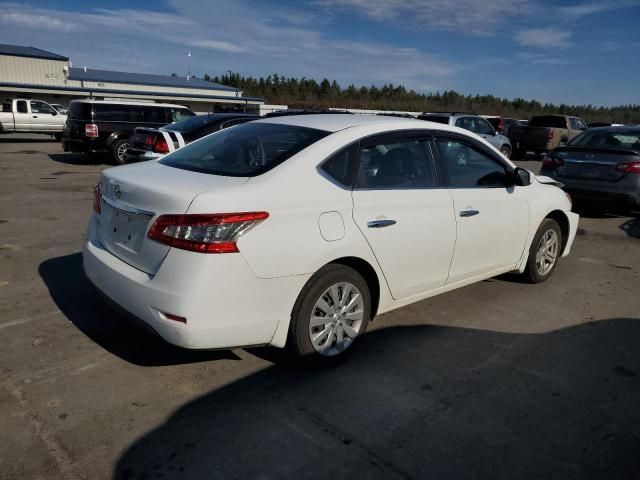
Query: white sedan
[298, 230]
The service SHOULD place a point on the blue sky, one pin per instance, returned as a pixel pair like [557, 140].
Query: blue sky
[574, 52]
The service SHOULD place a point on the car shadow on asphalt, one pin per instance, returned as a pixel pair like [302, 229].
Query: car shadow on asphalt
[83, 305]
[75, 159]
[417, 402]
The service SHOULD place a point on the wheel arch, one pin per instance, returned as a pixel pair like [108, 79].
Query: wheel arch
[370, 276]
[562, 219]
[115, 136]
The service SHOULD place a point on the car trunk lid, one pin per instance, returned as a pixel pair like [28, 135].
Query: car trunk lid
[134, 195]
[589, 163]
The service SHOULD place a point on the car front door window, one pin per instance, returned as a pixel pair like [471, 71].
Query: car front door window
[468, 167]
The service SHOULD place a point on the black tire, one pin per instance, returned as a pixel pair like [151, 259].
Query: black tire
[299, 341]
[506, 150]
[532, 273]
[119, 151]
[58, 137]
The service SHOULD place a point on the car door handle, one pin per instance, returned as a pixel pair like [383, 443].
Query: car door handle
[469, 213]
[380, 223]
[35, 116]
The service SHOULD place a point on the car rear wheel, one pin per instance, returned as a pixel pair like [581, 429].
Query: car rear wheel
[544, 252]
[506, 151]
[119, 151]
[332, 310]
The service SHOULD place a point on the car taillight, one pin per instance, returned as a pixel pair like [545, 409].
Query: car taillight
[629, 167]
[91, 130]
[161, 146]
[550, 134]
[205, 233]
[551, 161]
[149, 140]
[97, 199]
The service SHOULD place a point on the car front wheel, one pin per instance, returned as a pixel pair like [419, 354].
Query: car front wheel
[332, 310]
[544, 252]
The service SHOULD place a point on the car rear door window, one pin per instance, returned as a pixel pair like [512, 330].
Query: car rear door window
[178, 114]
[115, 112]
[155, 115]
[22, 106]
[397, 163]
[468, 166]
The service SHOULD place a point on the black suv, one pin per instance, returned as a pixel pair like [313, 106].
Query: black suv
[100, 125]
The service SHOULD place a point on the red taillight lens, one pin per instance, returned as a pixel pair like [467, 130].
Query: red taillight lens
[161, 146]
[97, 199]
[551, 161]
[550, 134]
[205, 233]
[628, 167]
[149, 140]
[91, 130]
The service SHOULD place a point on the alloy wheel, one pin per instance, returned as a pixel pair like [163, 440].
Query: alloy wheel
[547, 253]
[336, 319]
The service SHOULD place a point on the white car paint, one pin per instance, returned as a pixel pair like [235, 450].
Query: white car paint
[246, 298]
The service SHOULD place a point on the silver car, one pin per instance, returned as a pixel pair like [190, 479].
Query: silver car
[475, 124]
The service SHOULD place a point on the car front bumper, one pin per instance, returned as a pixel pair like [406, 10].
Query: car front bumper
[224, 303]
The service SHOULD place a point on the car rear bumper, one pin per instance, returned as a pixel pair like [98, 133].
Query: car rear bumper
[224, 303]
[81, 145]
[135, 155]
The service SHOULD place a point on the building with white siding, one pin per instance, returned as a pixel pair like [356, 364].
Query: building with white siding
[34, 73]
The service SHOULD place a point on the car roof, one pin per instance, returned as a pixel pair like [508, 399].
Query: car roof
[616, 128]
[135, 104]
[335, 123]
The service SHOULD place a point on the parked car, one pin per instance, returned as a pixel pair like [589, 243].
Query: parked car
[600, 164]
[306, 111]
[152, 143]
[106, 126]
[502, 125]
[544, 133]
[21, 115]
[475, 124]
[60, 108]
[298, 230]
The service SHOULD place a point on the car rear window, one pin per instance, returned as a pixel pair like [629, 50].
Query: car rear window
[246, 150]
[548, 121]
[435, 118]
[79, 111]
[608, 139]
[192, 123]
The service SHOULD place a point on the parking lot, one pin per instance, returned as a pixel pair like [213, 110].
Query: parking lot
[500, 379]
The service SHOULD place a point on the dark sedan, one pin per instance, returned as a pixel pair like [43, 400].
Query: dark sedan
[599, 164]
[152, 143]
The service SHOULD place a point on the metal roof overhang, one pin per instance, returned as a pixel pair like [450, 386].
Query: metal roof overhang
[64, 90]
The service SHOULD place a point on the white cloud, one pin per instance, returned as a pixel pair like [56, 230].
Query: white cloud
[466, 16]
[216, 45]
[583, 9]
[544, 37]
[34, 21]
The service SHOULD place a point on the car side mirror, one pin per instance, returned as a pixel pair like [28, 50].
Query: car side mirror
[54, 113]
[521, 177]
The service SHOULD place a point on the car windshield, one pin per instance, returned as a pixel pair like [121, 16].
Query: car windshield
[192, 123]
[246, 150]
[608, 139]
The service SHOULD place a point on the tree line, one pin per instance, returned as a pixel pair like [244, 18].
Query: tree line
[309, 93]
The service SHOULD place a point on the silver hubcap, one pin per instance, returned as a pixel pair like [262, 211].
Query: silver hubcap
[547, 253]
[336, 319]
[122, 150]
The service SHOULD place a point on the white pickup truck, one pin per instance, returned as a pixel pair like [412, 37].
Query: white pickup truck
[31, 116]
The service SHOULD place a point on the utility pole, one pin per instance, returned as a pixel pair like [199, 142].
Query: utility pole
[229, 77]
[188, 64]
